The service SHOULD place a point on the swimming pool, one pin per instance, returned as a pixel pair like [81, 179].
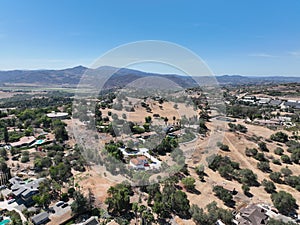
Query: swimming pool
[38, 142]
[3, 222]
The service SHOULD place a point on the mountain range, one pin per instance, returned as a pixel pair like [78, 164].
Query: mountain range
[122, 77]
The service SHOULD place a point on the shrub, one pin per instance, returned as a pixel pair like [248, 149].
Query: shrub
[276, 177]
[250, 152]
[276, 161]
[263, 146]
[286, 171]
[269, 186]
[223, 146]
[280, 137]
[278, 151]
[264, 166]
[285, 159]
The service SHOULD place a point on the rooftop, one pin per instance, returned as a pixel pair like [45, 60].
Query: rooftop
[39, 218]
[57, 114]
[23, 141]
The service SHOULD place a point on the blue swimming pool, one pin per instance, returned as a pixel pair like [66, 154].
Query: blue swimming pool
[37, 142]
[3, 222]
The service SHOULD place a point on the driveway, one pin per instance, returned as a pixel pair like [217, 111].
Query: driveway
[12, 206]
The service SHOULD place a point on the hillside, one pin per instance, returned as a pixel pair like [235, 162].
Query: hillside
[122, 77]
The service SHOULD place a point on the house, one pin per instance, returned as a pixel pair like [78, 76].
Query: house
[292, 104]
[275, 102]
[40, 218]
[25, 191]
[139, 162]
[219, 222]
[24, 141]
[57, 115]
[91, 221]
[251, 215]
[267, 122]
[264, 100]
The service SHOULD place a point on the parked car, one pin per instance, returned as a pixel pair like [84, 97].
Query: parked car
[59, 203]
[11, 201]
[51, 209]
[64, 205]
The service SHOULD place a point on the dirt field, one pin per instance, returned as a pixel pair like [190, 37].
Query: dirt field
[237, 144]
[98, 185]
[4, 94]
[164, 110]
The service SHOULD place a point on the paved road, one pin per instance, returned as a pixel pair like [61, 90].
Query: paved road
[12, 206]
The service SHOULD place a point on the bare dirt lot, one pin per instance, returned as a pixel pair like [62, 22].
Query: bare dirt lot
[237, 143]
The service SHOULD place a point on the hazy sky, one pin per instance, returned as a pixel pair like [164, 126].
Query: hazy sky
[247, 37]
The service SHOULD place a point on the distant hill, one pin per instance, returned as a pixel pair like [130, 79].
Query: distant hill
[122, 77]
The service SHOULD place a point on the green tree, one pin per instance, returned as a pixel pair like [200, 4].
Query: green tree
[147, 217]
[280, 137]
[285, 159]
[286, 171]
[61, 172]
[118, 199]
[279, 222]
[276, 177]
[198, 215]
[278, 151]
[246, 189]
[200, 171]
[189, 183]
[284, 202]
[262, 145]
[264, 166]
[248, 177]
[295, 156]
[223, 194]
[269, 186]
[42, 199]
[5, 135]
[25, 157]
[180, 204]
[80, 203]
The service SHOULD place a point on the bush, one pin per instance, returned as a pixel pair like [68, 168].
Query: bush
[292, 181]
[280, 137]
[245, 189]
[285, 159]
[260, 157]
[250, 152]
[263, 146]
[276, 177]
[223, 146]
[223, 194]
[278, 151]
[264, 166]
[286, 171]
[189, 183]
[295, 156]
[247, 177]
[64, 197]
[269, 186]
[276, 161]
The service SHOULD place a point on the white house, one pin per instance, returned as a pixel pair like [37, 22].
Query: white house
[139, 162]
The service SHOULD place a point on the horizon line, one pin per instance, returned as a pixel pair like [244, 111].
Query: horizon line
[153, 72]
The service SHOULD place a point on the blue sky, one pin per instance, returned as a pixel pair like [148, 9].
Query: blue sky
[249, 37]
